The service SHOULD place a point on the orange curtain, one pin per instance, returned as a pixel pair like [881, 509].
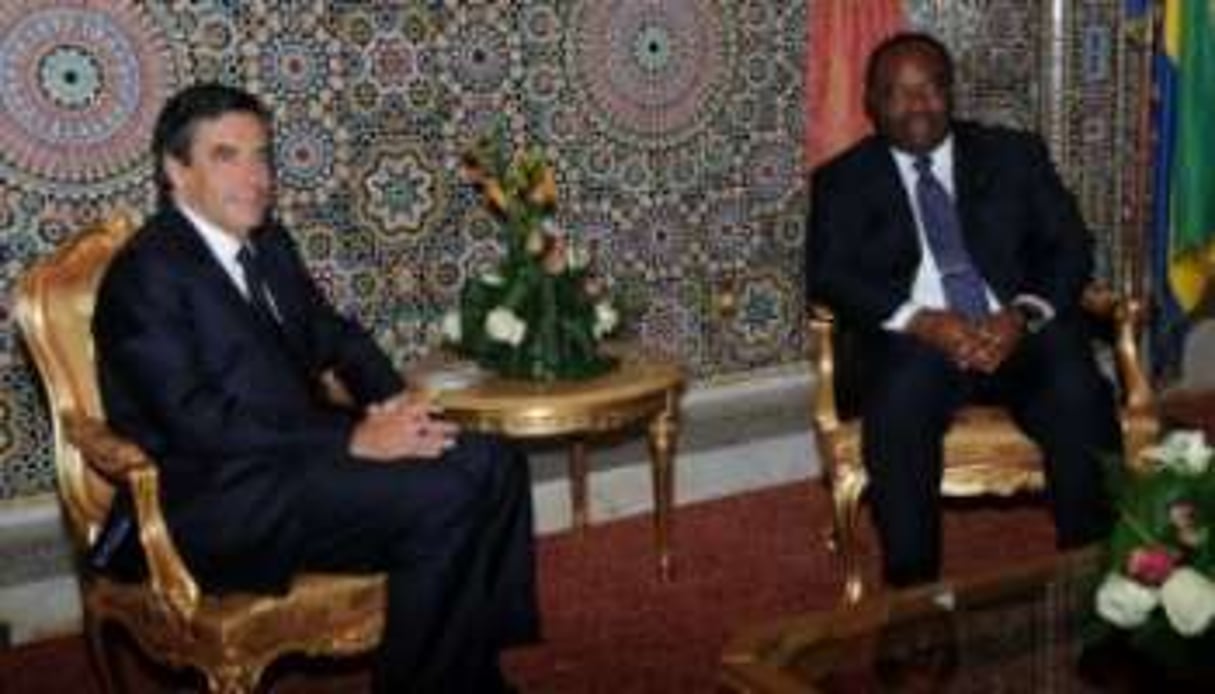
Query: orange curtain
[839, 36]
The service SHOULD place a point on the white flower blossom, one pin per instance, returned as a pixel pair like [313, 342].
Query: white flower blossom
[1185, 452]
[550, 227]
[1125, 603]
[452, 324]
[1189, 601]
[493, 279]
[504, 326]
[606, 319]
[577, 257]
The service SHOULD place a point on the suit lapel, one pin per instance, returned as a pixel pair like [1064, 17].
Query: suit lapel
[284, 292]
[888, 187]
[971, 180]
[190, 244]
[209, 271]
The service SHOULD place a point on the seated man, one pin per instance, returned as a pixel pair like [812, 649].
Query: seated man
[956, 258]
[212, 341]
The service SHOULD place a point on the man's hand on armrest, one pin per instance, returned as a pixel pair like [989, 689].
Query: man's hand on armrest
[403, 426]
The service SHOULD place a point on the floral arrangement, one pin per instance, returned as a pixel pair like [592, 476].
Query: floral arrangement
[542, 313]
[1161, 584]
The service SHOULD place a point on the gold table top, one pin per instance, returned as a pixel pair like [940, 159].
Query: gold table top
[635, 389]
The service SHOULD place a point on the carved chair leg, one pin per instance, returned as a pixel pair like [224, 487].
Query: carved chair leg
[98, 653]
[234, 679]
[846, 498]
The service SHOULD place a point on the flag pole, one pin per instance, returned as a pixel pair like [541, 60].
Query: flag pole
[1135, 243]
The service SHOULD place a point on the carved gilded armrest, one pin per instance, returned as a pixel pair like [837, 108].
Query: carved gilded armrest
[820, 326]
[1140, 423]
[1127, 315]
[122, 461]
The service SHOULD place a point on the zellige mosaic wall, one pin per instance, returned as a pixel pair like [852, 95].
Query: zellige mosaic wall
[675, 127]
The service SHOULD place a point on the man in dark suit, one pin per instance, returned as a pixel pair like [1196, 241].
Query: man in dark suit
[955, 259]
[213, 343]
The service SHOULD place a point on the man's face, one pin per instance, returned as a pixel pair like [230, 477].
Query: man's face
[911, 100]
[229, 179]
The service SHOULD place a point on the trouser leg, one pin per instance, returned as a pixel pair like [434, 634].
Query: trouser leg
[906, 412]
[455, 537]
[1064, 404]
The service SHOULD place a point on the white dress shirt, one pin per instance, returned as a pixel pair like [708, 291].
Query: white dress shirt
[223, 246]
[927, 290]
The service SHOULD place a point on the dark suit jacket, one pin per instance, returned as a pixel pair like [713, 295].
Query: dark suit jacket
[1021, 225]
[226, 403]
[1022, 228]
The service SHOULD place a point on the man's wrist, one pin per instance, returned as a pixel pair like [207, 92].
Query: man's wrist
[1033, 318]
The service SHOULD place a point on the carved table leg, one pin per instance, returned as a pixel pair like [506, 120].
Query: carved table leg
[578, 474]
[664, 429]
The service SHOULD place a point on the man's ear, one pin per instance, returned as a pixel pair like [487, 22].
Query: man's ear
[872, 111]
[175, 171]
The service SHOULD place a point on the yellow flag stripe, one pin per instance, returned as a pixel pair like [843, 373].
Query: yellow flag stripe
[1172, 29]
[1190, 273]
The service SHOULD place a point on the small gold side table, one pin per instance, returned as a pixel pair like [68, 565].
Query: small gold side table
[642, 388]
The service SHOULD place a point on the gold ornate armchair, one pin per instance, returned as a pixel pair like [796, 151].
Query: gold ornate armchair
[230, 638]
[984, 451]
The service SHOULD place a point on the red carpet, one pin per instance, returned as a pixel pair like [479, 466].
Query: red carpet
[610, 625]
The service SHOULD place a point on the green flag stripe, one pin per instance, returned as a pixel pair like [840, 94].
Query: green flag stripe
[1193, 194]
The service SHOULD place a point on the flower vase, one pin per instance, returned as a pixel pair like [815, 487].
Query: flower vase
[547, 334]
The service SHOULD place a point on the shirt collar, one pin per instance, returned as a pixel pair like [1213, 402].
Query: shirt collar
[941, 156]
[223, 245]
[942, 165]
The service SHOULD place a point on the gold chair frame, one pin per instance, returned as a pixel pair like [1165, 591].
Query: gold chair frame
[984, 451]
[231, 638]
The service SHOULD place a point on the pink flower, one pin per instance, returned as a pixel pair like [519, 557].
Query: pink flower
[1151, 565]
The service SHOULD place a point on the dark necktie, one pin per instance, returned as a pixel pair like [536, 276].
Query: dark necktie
[964, 289]
[255, 283]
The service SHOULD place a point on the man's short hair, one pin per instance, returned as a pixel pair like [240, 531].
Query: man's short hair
[902, 41]
[174, 132]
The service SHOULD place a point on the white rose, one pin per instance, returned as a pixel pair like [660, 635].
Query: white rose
[549, 227]
[452, 324]
[577, 257]
[1189, 601]
[1123, 602]
[606, 319]
[1184, 451]
[504, 326]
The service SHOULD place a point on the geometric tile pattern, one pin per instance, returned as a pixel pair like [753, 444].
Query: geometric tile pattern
[675, 128]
